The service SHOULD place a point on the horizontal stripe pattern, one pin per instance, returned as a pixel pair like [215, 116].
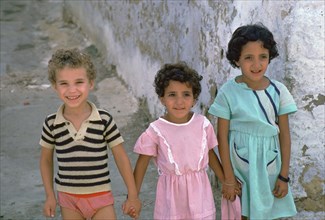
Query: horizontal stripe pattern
[82, 162]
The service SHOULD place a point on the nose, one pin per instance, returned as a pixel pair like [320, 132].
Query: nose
[179, 100]
[257, 63]
[72, 88]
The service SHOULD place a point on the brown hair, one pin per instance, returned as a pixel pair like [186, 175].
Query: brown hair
[180, 72]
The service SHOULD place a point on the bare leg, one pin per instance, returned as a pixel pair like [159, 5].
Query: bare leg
[68, 214]
[107, 212]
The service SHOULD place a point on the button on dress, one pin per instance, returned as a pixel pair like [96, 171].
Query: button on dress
[180, 152]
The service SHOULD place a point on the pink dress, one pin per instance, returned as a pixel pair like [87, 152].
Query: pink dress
[180, 152]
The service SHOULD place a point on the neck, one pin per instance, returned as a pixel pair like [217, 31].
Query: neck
[81, 110]
[178, 120]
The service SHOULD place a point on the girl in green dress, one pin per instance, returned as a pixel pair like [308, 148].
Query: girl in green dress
[253, 127]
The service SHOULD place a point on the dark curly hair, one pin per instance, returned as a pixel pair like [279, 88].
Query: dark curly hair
[244, 34]
[180, 72]
[72, 58]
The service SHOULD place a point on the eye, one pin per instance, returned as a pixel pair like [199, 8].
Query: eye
[188, 94]
[265, 56]
[248, 58]
[62, 83]
[171, 94]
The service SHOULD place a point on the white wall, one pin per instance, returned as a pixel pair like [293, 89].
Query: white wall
[139, 36]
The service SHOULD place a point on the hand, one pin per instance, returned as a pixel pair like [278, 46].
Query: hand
[229, 191]
[238, 188]
[280, 189]
[49, 207]
[132, 208]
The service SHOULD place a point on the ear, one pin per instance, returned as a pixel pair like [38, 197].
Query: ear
[162, 101]
[53, 85]
[194, 102]
[92, 84]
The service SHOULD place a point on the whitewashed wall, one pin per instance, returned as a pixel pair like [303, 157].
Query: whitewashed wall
[139, 36]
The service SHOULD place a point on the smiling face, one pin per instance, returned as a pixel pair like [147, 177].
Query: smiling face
[253, 62]
[72, 86]
[178, 99]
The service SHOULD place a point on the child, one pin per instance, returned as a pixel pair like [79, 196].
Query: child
[80, 134]
[253, 128]
[181, 143]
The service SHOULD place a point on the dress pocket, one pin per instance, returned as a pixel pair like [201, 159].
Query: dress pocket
[271, 157]
[240, 155]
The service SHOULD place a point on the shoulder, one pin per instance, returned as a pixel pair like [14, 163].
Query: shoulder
[276, 83]
[155, 123]
[104, 114]
[51, 116]
[228, 87]
[228, 83]
[201, 119]
[227, 90]
[279, 87]
[50, 119]
[98, 113]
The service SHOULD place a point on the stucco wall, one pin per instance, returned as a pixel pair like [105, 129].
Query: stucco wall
[139, 36]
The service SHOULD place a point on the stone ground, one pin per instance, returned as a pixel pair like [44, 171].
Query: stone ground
[30, 32]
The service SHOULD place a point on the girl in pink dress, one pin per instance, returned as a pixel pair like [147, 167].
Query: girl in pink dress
[181, 143]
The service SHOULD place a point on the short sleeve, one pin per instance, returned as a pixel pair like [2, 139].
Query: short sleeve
[112, 135]
[147, 143]
[211, 136]
[220, 107]
[287, 103]
[47, 139]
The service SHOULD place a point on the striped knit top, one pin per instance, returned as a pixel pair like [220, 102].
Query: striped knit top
[82, 155]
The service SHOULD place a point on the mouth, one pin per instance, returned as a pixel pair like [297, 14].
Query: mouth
[256, 72]
[73, 97]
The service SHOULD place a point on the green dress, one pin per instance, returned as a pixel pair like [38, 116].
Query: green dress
[254, 144]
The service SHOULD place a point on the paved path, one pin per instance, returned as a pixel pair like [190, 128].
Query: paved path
[30, 32]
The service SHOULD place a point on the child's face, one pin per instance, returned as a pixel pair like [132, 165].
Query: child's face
[253, 62]
[72, 86]
[178, 99]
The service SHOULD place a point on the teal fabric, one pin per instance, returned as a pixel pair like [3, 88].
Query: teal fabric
[254, 144]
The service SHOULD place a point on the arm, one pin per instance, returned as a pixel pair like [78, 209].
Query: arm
[46, 168]
[281, 187]
[215, 165]
[230, 182]
[124, 166]
[140, 170]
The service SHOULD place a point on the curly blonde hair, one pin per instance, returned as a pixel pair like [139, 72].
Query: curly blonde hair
[72, 58]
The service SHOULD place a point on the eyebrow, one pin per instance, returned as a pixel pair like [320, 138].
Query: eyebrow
[249, 54]
[64, 80]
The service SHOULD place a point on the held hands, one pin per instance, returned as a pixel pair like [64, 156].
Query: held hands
[49, 207]
[230, 190]
[132, 207]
